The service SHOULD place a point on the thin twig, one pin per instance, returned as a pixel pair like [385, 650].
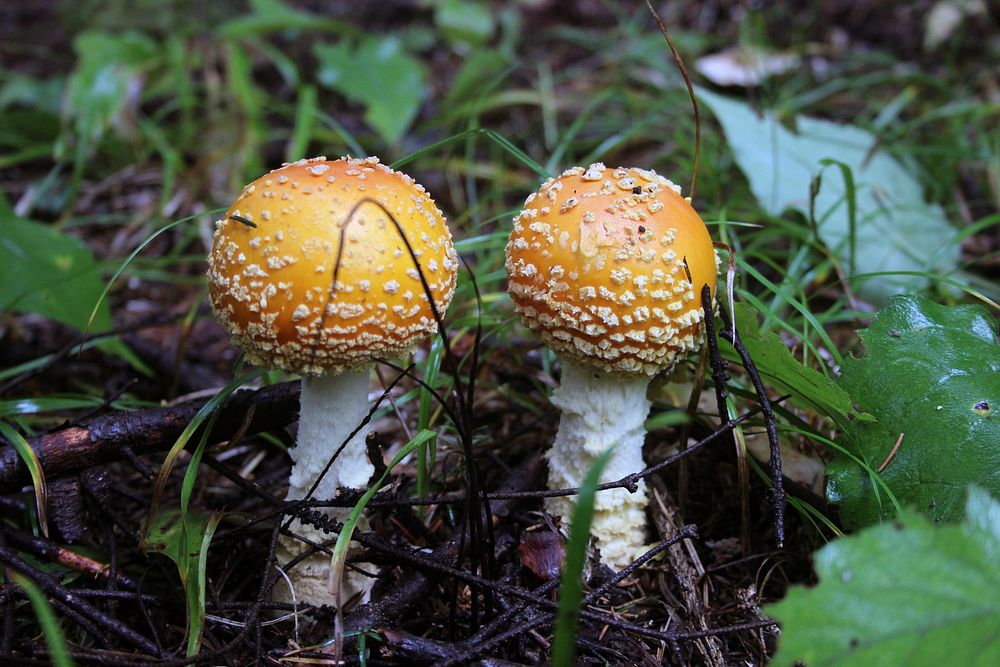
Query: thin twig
[888, 459]
[778, 497]
[690, 88]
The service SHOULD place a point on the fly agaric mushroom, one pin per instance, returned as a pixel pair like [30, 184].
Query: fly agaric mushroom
[607, 266]
[271, 275]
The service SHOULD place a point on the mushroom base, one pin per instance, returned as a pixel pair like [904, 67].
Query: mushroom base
[601, 411]
[311, 575]
[331, 407]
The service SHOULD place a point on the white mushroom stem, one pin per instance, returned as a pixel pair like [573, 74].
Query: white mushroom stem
[330, 408]
[601, 411]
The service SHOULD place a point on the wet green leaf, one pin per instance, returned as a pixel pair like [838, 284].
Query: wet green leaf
[904, 594]
[894, 228]
[43, 271]
[378, 74]
[931, 373]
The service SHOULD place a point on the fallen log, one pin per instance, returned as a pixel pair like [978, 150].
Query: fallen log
[119, 435]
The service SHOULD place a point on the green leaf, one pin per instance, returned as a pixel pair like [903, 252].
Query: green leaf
[808, 387]
[910, 593]
[29, 119]
[896, 229]
[107, 70]
[39, 95]
[570, 583]
[464, 21]
[378, 74]
[185, 541]
[45, 272]
[932, 373]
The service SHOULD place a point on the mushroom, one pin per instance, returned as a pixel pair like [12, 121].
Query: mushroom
[606, 266]
[271, 275]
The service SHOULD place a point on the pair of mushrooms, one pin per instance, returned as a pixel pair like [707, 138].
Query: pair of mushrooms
[605, 265]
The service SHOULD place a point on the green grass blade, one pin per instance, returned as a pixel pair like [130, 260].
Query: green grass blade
[34, 466]
[571, 585]
[876, 479]
[149, 239]
[182, 440]
[185, 540]
[852, 211]
[305, 119]
[191, 474]
[38, 362]
[344, 539]
[568, 137]
[427, 455]
[58, 651]
[667, 419]
[196, 592]
[492, 135]
[339, 558]
[343, 134]
[795, 304]
[930, 276]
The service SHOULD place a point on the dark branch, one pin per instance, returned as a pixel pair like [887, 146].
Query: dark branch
[120, 435]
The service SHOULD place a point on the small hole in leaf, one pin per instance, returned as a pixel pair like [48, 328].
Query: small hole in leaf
[981, 408]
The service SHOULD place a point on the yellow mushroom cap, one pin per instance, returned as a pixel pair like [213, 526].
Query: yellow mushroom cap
[607, 267]
[271, 285]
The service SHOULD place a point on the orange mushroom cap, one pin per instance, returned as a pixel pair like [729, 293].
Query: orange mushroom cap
[271, 285]
[607, 266]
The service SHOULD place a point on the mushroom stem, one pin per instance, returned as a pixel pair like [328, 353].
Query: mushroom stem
[601, 411]
[331, 407]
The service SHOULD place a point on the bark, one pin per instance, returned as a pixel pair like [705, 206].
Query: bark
[119, 435]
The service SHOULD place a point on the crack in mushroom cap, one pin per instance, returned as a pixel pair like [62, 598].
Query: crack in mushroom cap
[607, 265]
[271, 285]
